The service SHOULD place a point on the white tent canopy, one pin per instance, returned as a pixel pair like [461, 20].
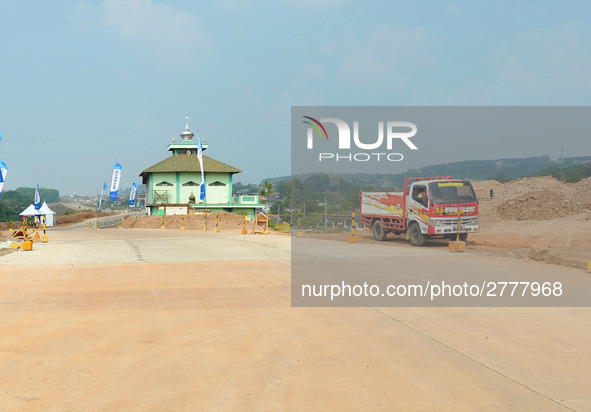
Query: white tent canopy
[44, 210]
[30, 211]
[50, 215]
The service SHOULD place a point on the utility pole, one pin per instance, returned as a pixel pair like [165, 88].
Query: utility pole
[325, 209]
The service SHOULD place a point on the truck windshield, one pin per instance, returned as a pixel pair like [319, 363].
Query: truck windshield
[452, 192]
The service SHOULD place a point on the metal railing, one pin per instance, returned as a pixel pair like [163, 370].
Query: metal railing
[115, 220]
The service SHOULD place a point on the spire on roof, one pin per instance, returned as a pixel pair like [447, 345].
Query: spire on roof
[187, 134]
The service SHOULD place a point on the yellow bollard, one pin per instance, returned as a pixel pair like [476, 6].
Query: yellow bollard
[120, 222]
[244, 231]
[205, 217]
[299, 234]
[217, 220]
[44, 240]
[457, 245]
[182, 223]
[36, 227]
[353, 238]
[10, 225]
[162, 223]
[97, 224]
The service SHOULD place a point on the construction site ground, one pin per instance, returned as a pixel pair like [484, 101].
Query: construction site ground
[151, 319]
[141, 318]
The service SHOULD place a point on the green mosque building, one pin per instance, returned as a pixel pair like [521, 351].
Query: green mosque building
[173, 185]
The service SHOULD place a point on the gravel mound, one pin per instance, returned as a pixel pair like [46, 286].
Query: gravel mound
[533, 198]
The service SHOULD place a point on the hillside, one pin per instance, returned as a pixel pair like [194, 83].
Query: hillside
[503, 169]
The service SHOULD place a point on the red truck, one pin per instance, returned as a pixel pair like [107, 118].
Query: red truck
[428, 207]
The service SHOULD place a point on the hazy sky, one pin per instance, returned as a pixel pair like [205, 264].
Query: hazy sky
[86, 83]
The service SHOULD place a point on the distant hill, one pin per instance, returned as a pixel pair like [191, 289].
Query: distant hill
[502, 169]
[13, 202]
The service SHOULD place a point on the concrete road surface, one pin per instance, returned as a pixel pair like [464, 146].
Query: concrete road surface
[142, 320]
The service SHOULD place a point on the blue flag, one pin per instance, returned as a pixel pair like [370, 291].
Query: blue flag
[200, 157]
[132, 195]
[115, 181]
[37, 198]
[3, 171]
[101, 198]
[1, 131]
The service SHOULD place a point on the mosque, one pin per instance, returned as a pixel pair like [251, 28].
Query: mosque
[173, 185]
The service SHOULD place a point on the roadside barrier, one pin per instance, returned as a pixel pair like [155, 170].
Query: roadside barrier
[44, 240]
[244, 231]
[353, 238]
[112, 221]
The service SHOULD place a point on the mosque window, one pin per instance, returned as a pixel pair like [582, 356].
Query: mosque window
[217, 183]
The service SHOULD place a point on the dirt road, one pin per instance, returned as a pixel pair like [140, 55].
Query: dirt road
[132, 320]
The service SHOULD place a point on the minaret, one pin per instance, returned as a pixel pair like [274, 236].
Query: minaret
[187, 146]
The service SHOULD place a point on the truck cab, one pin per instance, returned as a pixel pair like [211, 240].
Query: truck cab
[433, 208]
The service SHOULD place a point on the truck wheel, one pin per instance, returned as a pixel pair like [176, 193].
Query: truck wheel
[378, 231]
[415, 235]
[463, 237]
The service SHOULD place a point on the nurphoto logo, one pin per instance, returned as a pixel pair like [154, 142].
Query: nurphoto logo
[371, 150]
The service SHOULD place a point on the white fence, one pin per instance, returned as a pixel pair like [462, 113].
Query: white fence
[115, 220]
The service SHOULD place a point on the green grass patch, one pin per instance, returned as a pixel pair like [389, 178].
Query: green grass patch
[282, 227]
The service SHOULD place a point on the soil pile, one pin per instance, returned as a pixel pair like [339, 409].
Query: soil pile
[533, 198]
[226, 221]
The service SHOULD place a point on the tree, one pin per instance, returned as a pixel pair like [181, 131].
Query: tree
[267, 191]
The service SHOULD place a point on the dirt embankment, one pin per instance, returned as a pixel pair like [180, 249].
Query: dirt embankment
[79, 217]
[533, 198]
[226, 221]
[535, 210]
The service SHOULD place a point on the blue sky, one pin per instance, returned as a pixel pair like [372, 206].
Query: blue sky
[86, 83]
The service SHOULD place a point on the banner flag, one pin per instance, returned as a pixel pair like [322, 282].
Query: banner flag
[101, 198]
[3, 172]
[115, 181]
[37, 198]
[132, 195]
[1, 131]
[200, 157]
